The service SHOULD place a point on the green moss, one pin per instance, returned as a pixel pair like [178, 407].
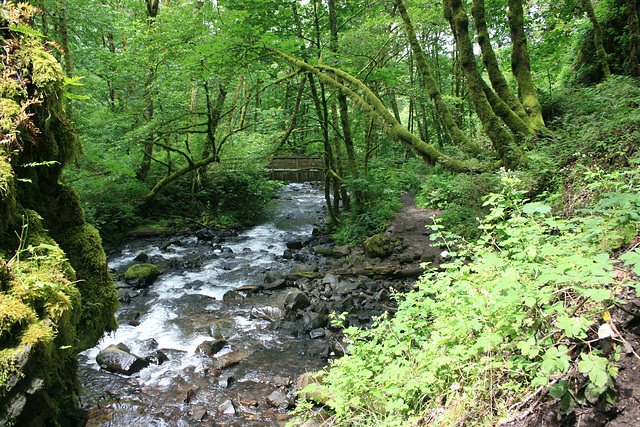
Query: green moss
[13, 313]
[8, 110]
[83, 247]
[12, 90]
[142, 272]
[380, 245]
[56, 293]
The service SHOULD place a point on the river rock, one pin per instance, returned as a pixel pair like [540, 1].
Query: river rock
[118, 359]
[142, 257]
[276, 285]
[341, 251]
[380, 245]
[233, 357]
[199, 414]
[157, 357]
[312, 320]
[296, 300]
[296, 244]
[211, 347]
[205, 234]
[226, 381]
[125, 295]
[141, 275]
[271, 314]
[303, 268]
[346, 287]
[226, 408]
[232, 296]
[271, 276]
[315, 396]
[281, 381]
[279, 400]
[317, 333]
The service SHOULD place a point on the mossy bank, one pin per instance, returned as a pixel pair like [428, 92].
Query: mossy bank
[56, 295]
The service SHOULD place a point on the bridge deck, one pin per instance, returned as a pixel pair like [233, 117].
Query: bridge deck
[283, 168]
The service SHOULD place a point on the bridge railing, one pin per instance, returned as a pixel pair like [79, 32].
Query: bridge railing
[284, 168]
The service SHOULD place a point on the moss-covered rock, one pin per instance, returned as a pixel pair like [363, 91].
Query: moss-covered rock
[142, 274]
[56, 294]
[380, 245]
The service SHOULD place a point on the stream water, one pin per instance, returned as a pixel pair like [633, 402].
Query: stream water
[185, 307]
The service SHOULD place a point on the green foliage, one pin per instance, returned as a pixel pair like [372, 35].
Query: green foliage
[234, 197]
[599, 125]
[514, 311]
[381, 187]
[459, 196]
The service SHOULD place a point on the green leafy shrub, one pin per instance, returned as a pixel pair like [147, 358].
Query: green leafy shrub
[459, 196]
[381, 187]
[238, 196]
[526, 306]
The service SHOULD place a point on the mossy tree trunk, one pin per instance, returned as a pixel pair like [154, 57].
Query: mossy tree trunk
[634, 37]
[501, 138]
[597, 38]
[352, 161]
[373, 106]
[521, 67]
[498, 81]
[214, 113]
[64, 41]
[458, 137]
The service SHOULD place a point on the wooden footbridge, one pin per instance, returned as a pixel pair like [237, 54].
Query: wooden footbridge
[282, 168]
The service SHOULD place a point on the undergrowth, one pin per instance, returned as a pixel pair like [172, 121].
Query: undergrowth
[523, 310]
[381, 186]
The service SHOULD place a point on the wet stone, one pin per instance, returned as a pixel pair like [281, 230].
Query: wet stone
[279, 400]
[211, 347]
[316, 333]
[226, 381]
[232, 296]
[226, 408]
[312, 320]
[118, 359]
[303, 268]
[281, 381]
[296, 300]
[271, 314]
[275, 285]
[198, 414]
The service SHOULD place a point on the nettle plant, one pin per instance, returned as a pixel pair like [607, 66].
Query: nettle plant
[522, 311]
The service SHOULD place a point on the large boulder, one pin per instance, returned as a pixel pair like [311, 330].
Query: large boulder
[118, 358]
[296, 300]
[211, 347]
[381, 245]
[141, 275]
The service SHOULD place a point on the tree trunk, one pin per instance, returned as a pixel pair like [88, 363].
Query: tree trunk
[432, 88]
[147, 150]
[294, 116]
[500, 137]
[634, 37]
[520, 65]
[328, 152]
[496, 77]
[214, 112]
[64, 42]
[597, 38]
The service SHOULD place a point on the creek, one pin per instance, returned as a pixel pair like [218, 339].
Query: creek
[195, 300]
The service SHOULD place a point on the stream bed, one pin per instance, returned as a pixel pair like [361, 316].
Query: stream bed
[195, 301]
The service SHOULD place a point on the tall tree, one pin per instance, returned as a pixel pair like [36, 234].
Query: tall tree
[597, 38]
